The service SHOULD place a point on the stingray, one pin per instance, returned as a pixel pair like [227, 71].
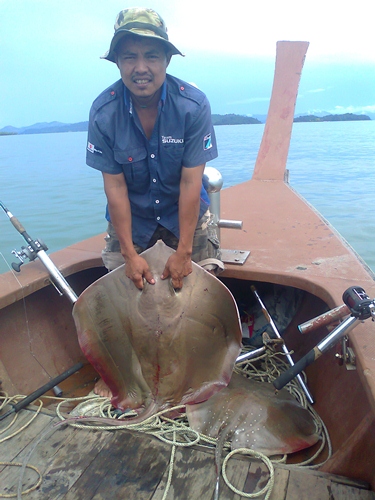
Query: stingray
[159, 347]
[252, 415]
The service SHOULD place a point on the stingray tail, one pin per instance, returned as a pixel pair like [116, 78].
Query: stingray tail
[147, 413]
[222, 438]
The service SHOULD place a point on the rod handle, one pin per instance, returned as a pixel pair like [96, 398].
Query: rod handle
[297, 368]
[17, 224]
[45, 388]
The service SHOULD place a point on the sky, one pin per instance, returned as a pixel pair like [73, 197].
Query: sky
[50, 66]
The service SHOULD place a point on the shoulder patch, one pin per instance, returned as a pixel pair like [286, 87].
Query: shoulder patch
[92, 149]
[207, 142]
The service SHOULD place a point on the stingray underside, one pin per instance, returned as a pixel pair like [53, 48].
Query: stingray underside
[159, 346]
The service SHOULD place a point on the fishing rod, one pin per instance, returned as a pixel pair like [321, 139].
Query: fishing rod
[360, 306]
[283, 346]
[39, 392]
[37, 249]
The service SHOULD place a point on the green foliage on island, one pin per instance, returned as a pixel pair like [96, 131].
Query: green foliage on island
[233, 119]
[230, 119]
[56, 127]
[347, 117]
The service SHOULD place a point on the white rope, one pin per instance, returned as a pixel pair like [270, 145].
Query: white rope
[177, 432]
[5, 401]
[29, 490]
[170, 468]
[270, 483]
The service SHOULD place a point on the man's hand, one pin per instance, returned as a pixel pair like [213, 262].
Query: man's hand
[136, 268]
[177, 267]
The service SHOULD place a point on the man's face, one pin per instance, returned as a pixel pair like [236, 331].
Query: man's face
[142, 63]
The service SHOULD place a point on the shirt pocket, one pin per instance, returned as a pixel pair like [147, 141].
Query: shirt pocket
[171, 163]
[135, 167]
[173, 152]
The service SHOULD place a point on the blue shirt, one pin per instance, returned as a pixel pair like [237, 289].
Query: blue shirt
[183, 136]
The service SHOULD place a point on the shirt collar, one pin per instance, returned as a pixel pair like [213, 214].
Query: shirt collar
[129, 102]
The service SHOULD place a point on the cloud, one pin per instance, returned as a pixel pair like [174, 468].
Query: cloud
[235, 28]
[353, 109]
[340, 110]
[315, 91]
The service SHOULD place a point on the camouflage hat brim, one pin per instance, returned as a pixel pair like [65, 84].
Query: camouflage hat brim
[110, 55]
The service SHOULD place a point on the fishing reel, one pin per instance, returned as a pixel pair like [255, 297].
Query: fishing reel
[359, 303]
[360, 306]
[30, 252]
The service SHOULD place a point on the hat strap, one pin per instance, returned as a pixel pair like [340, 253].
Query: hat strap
[155, 29]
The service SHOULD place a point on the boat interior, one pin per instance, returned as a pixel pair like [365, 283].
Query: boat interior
[39, 341]
[291, 246]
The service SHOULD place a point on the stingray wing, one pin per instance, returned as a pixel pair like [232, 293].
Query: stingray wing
[251, 415]
[159, 345]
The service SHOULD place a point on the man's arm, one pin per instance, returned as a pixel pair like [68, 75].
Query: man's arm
[116, 192]
[179, 264]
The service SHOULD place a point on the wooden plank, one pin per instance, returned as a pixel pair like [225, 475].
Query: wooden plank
[89, 464]
[280, 485]
[356, 483]
[303, 486]
[44, 451]
[74, 456]
[193, 476]
[257, 478]
[343, 492]
[236, 471]
[131, 466]
[11, 448]
[250, 476]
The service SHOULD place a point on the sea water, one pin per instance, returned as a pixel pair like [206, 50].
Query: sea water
[46, 184]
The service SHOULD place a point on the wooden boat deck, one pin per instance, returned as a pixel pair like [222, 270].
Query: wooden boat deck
[87, 464]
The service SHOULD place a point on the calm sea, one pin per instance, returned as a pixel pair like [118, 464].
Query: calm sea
[45, 183]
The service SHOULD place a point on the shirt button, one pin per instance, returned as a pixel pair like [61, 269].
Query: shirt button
[153, 180]
[152, 155]
[157, 218]
[157, 201]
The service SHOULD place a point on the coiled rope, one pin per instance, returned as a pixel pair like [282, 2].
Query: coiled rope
[267, 489]
[177, 432]
[5, 401]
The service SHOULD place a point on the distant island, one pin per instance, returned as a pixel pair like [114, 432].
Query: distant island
[53, 127]
[230, 119]
[347, 117]
[45, 128]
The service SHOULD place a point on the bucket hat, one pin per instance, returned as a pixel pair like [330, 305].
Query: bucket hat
[141, 22]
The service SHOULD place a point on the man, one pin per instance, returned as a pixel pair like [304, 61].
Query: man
[150, 135]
